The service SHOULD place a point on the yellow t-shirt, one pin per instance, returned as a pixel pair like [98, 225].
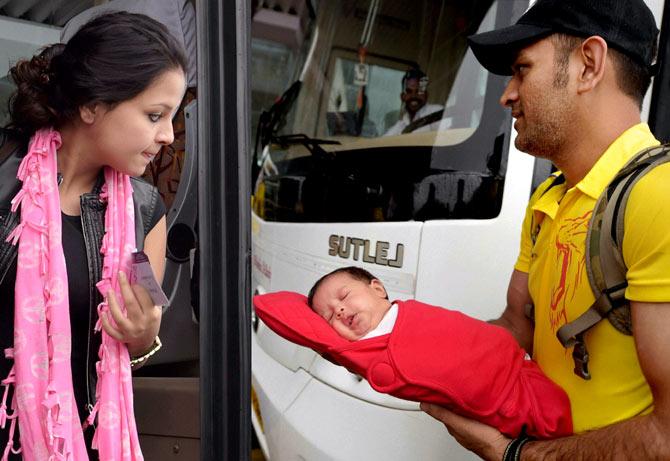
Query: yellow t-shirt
[560, 288]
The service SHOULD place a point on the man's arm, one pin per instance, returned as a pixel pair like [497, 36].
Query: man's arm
[644, 437]
[514, 317]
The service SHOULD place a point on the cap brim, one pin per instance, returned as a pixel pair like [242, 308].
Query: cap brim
[496, 50]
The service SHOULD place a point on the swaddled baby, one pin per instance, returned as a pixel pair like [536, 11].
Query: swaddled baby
[419, 352]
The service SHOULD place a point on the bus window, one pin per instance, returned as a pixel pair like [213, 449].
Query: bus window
[381, 106]
[330, 156]
[277, 63]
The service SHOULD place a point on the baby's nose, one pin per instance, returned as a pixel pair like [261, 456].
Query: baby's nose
[340, 312]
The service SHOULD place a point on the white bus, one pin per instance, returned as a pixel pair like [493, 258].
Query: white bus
[434, 212]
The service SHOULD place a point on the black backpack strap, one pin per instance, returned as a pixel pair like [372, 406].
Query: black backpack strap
[605, 266]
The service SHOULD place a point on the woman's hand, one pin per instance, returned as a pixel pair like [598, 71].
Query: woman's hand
[485, 441]
[139, 327]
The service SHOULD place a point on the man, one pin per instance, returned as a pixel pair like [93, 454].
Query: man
[579, 70]
[417, 116]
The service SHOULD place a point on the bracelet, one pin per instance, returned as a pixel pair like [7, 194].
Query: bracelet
[513, 450]
[507, 450]
[155, 347]
[517, 455]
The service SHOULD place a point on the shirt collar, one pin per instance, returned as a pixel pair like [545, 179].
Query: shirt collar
[629, 143]
[548, 201]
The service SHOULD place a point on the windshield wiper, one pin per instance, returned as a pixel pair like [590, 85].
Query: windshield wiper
[272, 120]
[313, 145]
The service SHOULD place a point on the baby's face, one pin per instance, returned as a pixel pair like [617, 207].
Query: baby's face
[352, 307]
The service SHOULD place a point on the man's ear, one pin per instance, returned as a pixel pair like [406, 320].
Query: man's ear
[89, 112]
[379, 289]
[592, 61]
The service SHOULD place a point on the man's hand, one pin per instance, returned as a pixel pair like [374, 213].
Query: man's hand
[485, 441]
[139, 327]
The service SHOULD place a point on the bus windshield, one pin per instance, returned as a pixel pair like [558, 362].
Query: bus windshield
[391, 119]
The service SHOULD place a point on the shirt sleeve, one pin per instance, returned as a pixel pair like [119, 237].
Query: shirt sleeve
[646, 243]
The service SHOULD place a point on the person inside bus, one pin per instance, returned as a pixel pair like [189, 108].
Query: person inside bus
[416, 114]
[579, 72]
[85, 119]
[420, 352]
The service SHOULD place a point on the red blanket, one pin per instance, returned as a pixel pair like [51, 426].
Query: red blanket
[439, 356]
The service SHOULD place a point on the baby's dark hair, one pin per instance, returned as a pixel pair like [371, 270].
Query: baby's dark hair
[111, 59]
[356, 273]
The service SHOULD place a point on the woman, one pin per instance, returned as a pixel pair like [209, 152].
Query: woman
[86, 116]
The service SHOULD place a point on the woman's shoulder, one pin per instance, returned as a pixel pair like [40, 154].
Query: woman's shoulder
[145, 195]
[148, 203]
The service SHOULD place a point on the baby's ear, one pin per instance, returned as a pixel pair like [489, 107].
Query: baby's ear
[379, 288]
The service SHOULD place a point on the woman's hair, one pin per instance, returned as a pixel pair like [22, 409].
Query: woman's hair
[354, 272]
[111, 59]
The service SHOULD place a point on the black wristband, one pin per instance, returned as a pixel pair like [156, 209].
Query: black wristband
[517, 454]
[508, 450]
[513, 450]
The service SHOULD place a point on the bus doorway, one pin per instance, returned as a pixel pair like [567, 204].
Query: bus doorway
[192, 399]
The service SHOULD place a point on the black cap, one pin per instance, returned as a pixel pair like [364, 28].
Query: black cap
[627, 26]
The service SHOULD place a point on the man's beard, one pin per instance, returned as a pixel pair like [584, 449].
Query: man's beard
[546, 137]
[541, 140]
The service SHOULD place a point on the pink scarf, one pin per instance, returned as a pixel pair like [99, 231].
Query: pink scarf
[44, 399]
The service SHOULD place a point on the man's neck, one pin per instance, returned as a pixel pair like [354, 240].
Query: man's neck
[590, 141]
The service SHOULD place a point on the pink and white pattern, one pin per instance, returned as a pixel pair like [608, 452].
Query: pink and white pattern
[44, 404]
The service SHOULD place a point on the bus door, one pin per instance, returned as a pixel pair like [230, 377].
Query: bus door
[192, 399]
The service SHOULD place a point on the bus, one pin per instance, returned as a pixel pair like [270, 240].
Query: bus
[434, 210]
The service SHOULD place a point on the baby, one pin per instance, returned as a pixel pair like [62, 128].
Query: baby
[353, 302]
[430, 354]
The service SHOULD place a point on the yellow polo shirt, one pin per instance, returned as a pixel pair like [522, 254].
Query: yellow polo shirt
[560, 288]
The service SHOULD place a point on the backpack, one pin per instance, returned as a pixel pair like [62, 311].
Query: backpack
[604, 259]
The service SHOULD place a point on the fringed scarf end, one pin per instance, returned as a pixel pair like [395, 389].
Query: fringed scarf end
[15, 234]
